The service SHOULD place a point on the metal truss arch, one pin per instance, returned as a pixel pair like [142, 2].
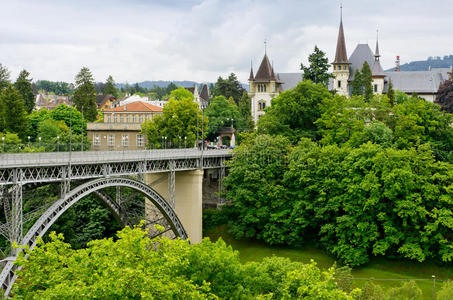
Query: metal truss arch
[42, 225]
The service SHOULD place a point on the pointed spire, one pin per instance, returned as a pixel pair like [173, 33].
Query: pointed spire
[376, 53]
[251, 77]
[340, 55]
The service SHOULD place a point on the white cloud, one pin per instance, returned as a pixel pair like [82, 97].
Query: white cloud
[200, 40]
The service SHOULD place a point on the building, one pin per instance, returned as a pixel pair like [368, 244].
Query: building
[263, 87]
[423, 83]
[50, 102]
[106, 101]
[202, 97]
[121, 129]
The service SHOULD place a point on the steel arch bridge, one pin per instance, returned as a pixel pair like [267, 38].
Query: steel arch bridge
[8, 276]
[98, 170]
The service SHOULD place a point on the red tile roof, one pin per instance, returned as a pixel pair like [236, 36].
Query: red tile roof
[138, 106]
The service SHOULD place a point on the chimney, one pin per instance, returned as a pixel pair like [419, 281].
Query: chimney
[125, 107]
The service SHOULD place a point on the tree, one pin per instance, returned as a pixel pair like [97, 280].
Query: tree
[229, 87]
[134, 266]
[246, 112]
[58, 87]
[85, 94]
[71, 117]
[25, 89]
[180, 122]
[367, 81]
[170, 88]
[445, 96]
[110, 88]
[220, 112]
[357, 85]
[293, 113]
[13, 114]
[391, 93]
[317, 70]
[4, 77]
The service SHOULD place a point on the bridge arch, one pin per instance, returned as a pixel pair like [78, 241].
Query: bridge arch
[40, 227]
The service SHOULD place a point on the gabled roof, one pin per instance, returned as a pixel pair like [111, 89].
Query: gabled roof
[421, 82]
[204, 94]
[265, 71]
[361, 54]
[101, 99]
[376, 69]
[340, 54]
[138, 106]
[289, 80]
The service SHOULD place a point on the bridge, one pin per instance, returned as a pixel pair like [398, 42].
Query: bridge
[170, 180]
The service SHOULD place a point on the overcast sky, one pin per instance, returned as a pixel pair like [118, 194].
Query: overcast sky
[199, 40]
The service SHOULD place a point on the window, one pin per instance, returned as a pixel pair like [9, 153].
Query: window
[111, 140]
[134, 119]
[339, 84]
[140, 140]
[261, 105]
[96, 140]
[141, 119]
[108, 119]
[125, 140]
[121, 118]
[345, 68]
[334, 67]
[129, 119]
[115, 119]
[375, 88]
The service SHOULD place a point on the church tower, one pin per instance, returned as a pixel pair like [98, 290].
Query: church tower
[377, 72]
[263, 87]
[341, 64]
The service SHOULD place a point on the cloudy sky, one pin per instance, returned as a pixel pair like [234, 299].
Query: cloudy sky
[199, 40]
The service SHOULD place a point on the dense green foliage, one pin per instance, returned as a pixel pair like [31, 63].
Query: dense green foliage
[294, 112]
[220, 112]
[361, 84]
[55, 87]
[318, 69]
[374, 180]
[4, 77]
[13, 117]
[179, 124]
[136, 266]
[24, 87]
[228, 87]
[110, 88]
[357, 202]
[85, 94]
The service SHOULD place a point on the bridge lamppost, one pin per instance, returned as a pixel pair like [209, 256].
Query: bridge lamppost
[39, 138]
[28, 141]
[3, 139]
[165, 142]
[185, 142]
[162, 142]
[58, 143]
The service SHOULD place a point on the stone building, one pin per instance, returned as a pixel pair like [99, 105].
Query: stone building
[423, 83]
[121, 129]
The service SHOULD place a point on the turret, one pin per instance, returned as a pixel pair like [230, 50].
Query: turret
[341, 63]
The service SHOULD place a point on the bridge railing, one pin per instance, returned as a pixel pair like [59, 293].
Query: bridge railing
[59, 158]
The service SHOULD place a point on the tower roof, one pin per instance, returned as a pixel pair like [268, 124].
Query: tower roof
[376, 53]
[251, 77]
[265, 71]
[340, 55]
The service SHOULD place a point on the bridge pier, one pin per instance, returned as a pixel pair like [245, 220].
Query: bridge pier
[187, 189]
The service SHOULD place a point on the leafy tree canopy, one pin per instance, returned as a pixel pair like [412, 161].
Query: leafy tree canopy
[180, 122]
[220, 112]
[13, 117]
[445, 96]
[85, 94]
[25, 89]
[4, 77]
[317, 71]
[293, 113]
[110, 88]
[228, 87]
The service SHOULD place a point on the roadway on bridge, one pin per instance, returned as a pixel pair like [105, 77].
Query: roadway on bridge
[11, 160]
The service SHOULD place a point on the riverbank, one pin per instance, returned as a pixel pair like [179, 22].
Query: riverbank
[393, 271]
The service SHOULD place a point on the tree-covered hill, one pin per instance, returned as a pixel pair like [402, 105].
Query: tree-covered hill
[424, 65]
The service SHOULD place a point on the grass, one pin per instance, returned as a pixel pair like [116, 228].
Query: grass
[378, 268]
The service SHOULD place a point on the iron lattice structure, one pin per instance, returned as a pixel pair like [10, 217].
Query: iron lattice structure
[99, 170]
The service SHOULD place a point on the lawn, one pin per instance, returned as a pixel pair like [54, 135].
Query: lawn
[378, 268]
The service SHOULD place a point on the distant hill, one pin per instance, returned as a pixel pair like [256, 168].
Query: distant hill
[424, 65]
[160, 83]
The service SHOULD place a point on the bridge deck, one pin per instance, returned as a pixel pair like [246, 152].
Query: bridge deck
[14, 160]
